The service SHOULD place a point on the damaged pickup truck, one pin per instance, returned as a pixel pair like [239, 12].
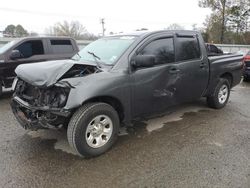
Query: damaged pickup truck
[117, 79]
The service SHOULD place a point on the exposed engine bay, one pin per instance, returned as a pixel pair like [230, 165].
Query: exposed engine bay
[80, 70]
[52, 97]
[39, 107]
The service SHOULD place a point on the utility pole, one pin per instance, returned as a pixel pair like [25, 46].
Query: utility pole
[103, 28]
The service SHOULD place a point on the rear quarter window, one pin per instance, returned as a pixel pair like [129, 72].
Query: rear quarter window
[61, 46]
[188, 48]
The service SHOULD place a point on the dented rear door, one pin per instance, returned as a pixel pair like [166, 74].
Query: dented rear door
[193, 68]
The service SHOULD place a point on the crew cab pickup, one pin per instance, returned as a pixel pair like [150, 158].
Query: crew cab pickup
[117, 79]
[30, 50]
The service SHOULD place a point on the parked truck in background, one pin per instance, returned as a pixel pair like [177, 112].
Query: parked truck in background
[117, 79]
[31, 50]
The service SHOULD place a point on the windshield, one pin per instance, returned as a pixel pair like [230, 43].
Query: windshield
[105, 50]
[7, 46]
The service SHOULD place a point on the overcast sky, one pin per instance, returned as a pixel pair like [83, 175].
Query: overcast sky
[120, 15]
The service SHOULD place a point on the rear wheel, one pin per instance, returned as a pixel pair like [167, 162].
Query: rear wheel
[93, 129]
[245, 79]
[221, 94]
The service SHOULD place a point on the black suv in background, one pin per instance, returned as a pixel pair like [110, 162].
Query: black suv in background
[31, 50]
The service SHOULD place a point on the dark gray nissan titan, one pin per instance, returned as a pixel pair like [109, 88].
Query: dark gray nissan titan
[117, 79]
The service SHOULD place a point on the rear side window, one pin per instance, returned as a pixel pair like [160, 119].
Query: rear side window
[61, 46]
[30, 48]
[188, 48]
[162, 49]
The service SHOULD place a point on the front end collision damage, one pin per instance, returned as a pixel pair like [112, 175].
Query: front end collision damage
[41, 103]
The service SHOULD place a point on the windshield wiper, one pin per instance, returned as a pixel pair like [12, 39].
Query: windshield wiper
[78, 55]
[96, 58]
[76, 58]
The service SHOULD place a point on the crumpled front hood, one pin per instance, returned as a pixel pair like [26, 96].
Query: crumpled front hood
[45, 74]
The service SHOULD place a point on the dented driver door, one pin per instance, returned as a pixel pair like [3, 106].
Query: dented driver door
[153, 88]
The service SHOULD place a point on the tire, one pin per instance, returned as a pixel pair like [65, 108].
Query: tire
[220, 95]
[86, 129]
[245, 79]
[1, 90]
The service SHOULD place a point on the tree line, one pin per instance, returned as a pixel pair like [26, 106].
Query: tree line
[15, 31]
[229, 22]
[73, 29]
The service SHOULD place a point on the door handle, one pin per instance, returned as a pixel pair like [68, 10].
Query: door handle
[174, 70]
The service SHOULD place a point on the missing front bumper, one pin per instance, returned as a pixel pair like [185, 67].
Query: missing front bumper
[34, 118]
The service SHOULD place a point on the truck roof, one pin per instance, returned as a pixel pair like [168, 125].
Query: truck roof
[47, 37]
[145, 33]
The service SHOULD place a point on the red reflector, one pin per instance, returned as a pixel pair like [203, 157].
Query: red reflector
[247, 58]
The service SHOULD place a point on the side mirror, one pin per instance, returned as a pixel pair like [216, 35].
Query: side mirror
[15, 54]
[143, 61]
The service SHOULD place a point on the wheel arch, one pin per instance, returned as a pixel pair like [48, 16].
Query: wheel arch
[228, 76]
[112, 101]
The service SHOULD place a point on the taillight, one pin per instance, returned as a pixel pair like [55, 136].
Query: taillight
[246, 58]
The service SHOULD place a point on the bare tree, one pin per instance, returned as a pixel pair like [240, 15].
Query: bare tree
[175, 26]
[221, 8]
[73, 29]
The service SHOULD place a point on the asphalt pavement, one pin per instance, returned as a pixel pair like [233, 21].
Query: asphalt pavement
[194, 147]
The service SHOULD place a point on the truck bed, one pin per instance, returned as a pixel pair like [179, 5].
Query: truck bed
[230, 66]
[213, 59]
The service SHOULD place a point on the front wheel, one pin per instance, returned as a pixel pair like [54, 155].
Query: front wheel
[93, 129]
[221, 94]
[1, 90]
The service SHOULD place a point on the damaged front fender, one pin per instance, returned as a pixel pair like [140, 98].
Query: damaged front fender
[46, 98]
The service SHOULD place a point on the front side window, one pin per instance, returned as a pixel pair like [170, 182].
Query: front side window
[105, 50]
[188, 48]
[162, 49]
[30, 48]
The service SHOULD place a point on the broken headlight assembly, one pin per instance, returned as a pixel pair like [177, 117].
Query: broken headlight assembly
[37, 108]
[52, 97]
